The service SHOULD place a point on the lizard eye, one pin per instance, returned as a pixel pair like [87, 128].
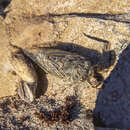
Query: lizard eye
[54, 58]
[90, 72]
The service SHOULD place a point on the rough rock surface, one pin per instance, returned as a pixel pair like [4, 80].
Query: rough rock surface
[97, 30]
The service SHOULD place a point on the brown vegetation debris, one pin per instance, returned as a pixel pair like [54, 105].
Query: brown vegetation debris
[62, 114]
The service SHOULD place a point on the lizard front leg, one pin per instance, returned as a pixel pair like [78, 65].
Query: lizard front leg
[25, 70]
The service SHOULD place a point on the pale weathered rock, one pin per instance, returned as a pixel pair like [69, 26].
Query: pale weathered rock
[7, 78]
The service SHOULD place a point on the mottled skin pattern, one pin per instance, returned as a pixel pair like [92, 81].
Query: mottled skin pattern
[65, 65]
[62, 64]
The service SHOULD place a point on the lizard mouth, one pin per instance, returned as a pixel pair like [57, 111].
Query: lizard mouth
[96, 81]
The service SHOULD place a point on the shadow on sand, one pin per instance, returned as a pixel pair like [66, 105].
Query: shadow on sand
[112, 108]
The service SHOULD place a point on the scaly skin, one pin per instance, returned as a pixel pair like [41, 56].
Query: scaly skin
[63, 64]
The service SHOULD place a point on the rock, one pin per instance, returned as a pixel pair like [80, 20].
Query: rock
[97, 30]
[8, 78]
